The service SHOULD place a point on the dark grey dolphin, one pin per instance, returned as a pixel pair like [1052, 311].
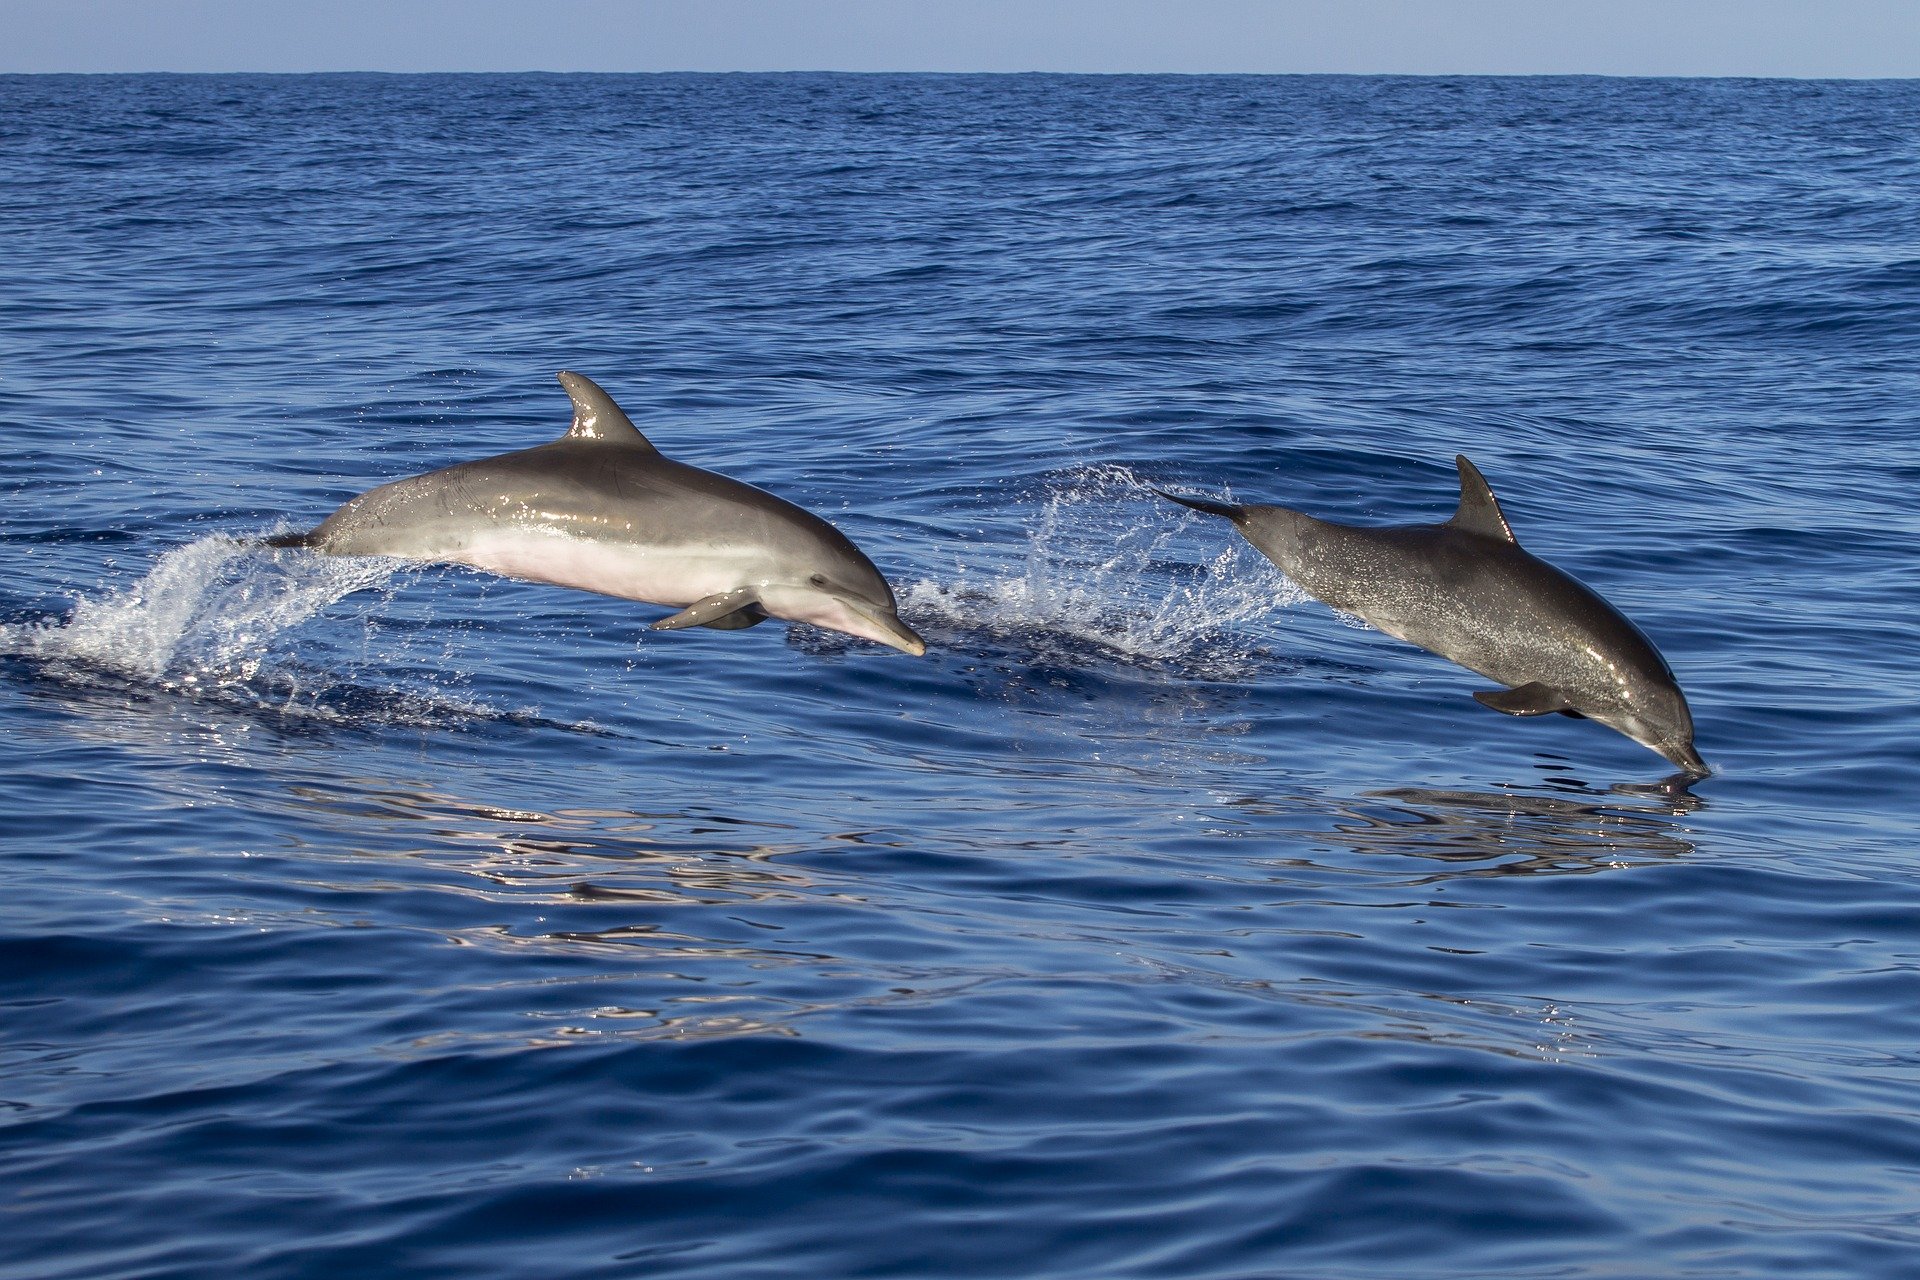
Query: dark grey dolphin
[1466, 591]
[602, 510]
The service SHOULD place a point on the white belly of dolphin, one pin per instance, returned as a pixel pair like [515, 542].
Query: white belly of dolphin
[627, 570]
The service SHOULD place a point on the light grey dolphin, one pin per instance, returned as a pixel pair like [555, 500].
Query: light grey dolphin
[1467, 591]
[602, 510]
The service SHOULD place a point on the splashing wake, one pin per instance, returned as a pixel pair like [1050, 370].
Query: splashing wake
[1102, 573]
[1103, 579]
[205, 614]
[211, 620]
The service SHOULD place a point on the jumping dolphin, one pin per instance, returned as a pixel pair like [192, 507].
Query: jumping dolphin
[1467, 591]
[600, 509]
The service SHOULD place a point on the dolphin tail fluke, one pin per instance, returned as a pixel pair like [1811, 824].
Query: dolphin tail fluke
[1227, 509]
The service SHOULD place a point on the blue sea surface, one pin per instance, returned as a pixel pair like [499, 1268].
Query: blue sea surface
[373, 920]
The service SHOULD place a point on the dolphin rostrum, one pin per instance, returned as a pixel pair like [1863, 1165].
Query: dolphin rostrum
[602, 510]
[1468, 592]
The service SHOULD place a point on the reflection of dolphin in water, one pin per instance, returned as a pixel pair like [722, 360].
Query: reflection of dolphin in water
[1494, 833]
[600, 509]
[1513, 833]
[1466, 591]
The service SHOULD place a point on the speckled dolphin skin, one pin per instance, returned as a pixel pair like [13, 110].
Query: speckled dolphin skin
[1468, 592]
[602, 510]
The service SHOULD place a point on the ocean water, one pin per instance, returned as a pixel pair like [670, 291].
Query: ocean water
[383, 921]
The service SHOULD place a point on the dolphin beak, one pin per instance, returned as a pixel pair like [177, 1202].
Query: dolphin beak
[872, 618]
[889, 630]
[1689, 759]
[882, 625]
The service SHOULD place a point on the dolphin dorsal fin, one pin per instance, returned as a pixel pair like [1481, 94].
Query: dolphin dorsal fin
[596, 416]
[1479, 511]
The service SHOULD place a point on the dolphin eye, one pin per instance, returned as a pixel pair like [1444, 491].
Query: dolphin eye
[818, 580]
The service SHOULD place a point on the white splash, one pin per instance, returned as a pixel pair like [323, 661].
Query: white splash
[1104, 568]
[215, 621]
[205, 613]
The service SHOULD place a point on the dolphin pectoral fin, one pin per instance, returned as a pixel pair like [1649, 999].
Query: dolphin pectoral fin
[740, 619]
[722, 612]
[1533, 699]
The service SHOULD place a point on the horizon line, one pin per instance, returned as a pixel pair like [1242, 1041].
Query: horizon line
[832, 71]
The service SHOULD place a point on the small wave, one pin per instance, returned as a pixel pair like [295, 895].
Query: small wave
[1102, 577]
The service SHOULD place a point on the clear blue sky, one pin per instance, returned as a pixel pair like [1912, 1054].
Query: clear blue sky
[1614, 37]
